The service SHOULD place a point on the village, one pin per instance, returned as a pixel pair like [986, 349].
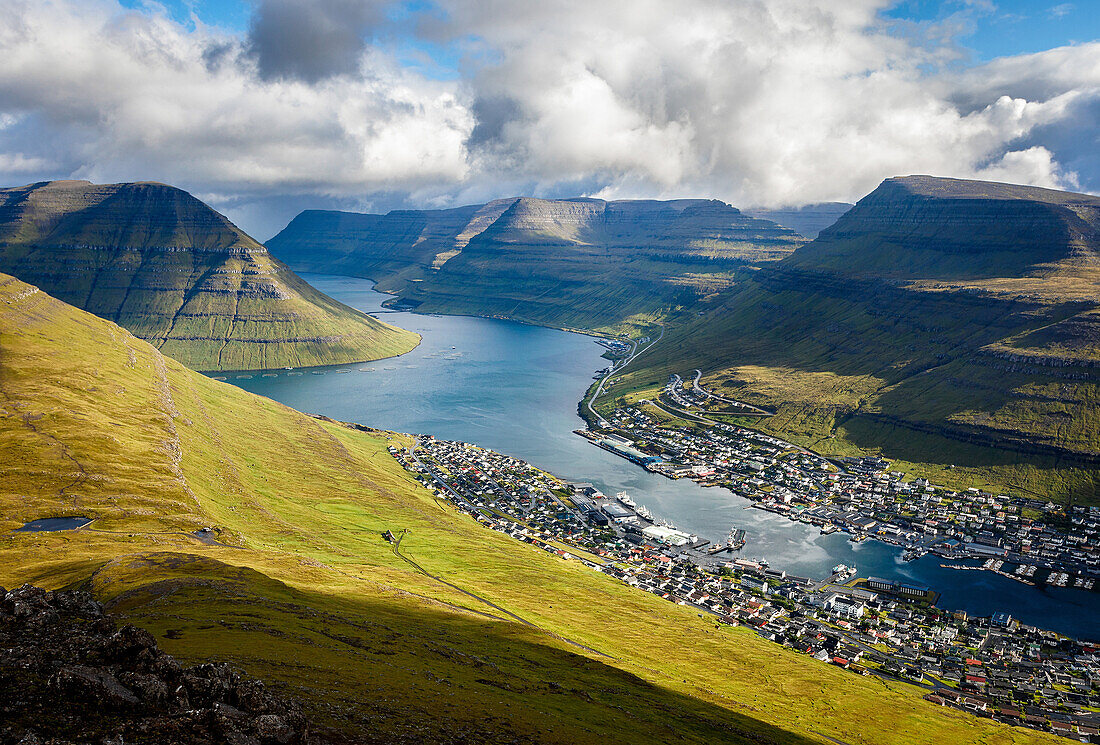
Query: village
[993, 666]
[1029, 540]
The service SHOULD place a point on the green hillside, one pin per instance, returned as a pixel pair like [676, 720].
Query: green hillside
[176, 273]
[950, 325]
[301, 590]
[573, 263]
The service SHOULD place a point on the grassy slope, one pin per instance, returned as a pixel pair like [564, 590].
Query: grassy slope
[949, 325]
[905, 373]
[164, 265]
[96, 422]
[590, 265]
[569, 264]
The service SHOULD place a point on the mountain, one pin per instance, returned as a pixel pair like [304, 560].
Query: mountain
[953, 326]
[296, 585]
[922, 227]
[808, 220]
[180, 275]
[377, 246]
[560, 262]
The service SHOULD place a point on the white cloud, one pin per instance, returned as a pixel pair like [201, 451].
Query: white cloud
[756, 102]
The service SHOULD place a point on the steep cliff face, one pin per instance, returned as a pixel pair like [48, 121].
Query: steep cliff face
[679, 225]
[920, 227]
[180, 275]
[563, 262]
[588, 263]
[374, 246]
[946, 323]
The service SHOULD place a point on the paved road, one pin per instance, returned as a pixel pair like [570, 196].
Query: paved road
[756, 409]
[635, 353]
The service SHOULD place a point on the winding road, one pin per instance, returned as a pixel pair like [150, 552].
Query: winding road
[634, 354]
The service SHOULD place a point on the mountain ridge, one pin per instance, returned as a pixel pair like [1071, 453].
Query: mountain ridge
[952, 326]
[181, 275]
[540, 260]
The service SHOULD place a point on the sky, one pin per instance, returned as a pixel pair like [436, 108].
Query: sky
[263, 108]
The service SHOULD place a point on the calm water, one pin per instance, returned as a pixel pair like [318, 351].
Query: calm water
[515, 388]
[50, 524]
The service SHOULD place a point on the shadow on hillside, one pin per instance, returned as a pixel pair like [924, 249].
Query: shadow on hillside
[397, 668]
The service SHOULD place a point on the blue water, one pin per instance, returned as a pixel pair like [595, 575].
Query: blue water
[50, 524]
[515, 388]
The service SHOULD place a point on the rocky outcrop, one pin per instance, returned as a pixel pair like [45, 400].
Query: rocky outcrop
[69, 674]
[178, 274]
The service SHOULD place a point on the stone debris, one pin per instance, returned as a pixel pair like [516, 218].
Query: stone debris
[69, 675]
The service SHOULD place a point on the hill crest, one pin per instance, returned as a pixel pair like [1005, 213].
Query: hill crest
[180, 275]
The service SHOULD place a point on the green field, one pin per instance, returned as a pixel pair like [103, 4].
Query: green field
[306, 594]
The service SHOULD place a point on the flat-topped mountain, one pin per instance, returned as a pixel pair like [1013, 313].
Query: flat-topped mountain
[947, 323]
[679, 224]
[563, 262]
[922, 227]
[180, 275]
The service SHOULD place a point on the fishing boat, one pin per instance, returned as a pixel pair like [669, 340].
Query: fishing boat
[736, 540]
[626, 500]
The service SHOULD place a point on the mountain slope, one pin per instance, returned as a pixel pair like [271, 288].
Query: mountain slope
[944, 323]
[178, 274]
[926, 228]
[583, 263]
[301, 590]
[808, 220]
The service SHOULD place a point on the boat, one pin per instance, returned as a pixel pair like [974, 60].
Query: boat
[644, 512]
[736, 540]
[828, 528]
[626, 500]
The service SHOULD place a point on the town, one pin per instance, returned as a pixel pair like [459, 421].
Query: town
[993, 667]
[1029, 540]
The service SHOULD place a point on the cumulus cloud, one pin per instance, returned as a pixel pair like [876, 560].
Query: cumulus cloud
[758, 102]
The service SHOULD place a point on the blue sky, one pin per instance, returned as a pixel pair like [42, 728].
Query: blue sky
[988, 28]
[1002, 28]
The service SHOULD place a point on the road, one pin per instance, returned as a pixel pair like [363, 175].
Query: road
[756, 410]
[634, 354]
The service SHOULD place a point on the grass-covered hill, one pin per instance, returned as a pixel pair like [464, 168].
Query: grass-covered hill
[952, 324]
[582, 263]
[396, 246]
[301, 590]
[178, 274]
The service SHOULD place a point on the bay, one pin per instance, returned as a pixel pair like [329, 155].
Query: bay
[514, 388]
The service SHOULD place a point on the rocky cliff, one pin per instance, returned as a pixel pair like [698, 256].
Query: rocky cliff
[69, 674]
[921, 227]
[180, 275]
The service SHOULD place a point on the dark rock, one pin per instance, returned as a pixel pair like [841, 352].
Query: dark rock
[69, 674]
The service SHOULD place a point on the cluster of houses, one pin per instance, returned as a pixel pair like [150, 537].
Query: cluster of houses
[1034, 541]
[994, 667]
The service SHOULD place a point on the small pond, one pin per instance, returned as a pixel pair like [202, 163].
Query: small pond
[50, 524]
